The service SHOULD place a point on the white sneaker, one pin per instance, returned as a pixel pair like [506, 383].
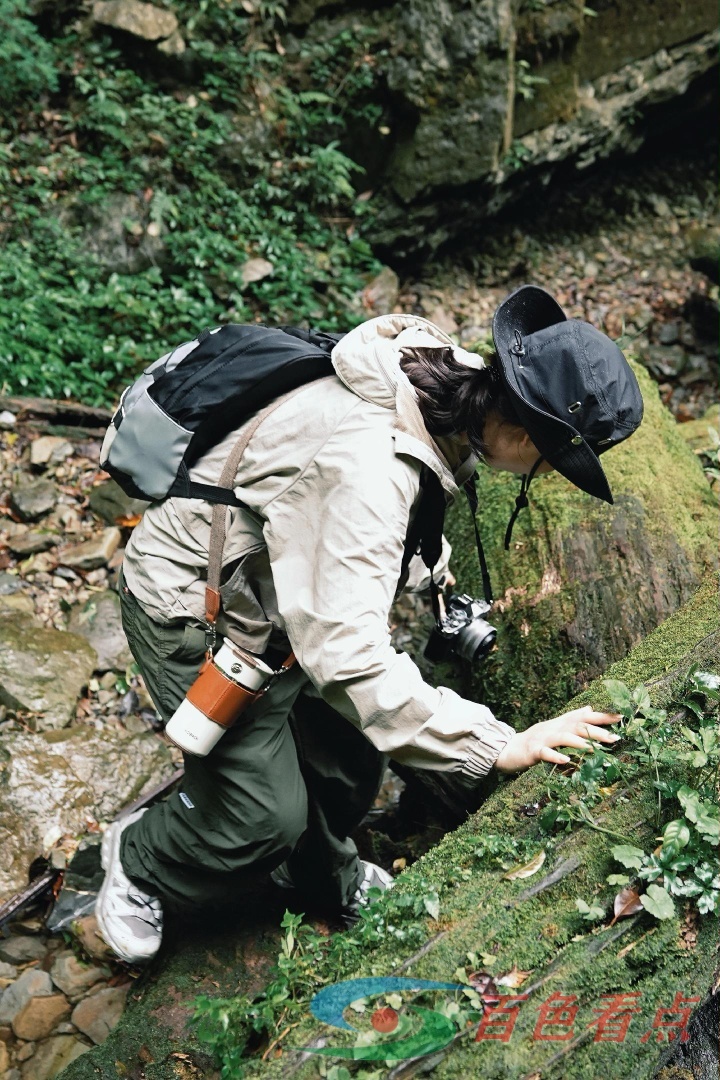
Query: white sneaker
[129, 919]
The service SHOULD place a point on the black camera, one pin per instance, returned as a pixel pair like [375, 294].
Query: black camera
[462, 631]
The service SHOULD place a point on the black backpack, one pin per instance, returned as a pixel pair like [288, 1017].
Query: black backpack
[191, 398]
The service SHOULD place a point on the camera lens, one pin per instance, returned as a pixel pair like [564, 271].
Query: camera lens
[475, 640]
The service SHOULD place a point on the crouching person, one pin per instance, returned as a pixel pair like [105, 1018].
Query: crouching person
[336, 487]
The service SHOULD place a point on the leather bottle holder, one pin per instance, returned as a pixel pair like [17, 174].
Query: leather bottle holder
[218, 697]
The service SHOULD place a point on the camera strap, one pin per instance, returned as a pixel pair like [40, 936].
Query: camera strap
[471, 493]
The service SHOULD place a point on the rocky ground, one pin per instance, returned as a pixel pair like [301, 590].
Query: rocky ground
[78, 733]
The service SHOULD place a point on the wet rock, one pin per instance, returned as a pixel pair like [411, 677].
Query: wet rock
[49, 449]
[30, 543]
[54, 781]
[99, 622]
[381, 295]
[32, 501]
[42, 671]
[94, 553]
[97, 1015]
[32, 983]
[143, 20]
[21, 949]
[52, 1056]
[256, 270]
[74, 977]
[39, 1017]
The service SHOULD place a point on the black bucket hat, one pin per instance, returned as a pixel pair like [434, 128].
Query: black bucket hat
[572, 388]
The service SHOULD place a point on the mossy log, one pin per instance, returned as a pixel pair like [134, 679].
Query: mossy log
[534, 929]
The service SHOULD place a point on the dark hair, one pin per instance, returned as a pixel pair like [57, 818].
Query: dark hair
[453, 397]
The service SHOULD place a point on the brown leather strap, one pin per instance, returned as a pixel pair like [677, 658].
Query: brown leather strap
[220, 512]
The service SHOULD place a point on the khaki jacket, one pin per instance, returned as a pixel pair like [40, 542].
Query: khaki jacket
[332, 479]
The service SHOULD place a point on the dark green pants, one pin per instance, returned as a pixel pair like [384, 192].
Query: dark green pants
[290, 780]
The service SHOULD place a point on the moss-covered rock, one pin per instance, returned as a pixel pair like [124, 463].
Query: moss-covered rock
[539, 931]
[583, 582]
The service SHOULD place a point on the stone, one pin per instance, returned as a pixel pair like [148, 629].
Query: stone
[52, 1056]
[49, 449]
[52, 782]
[99, 622]
[40, 1016]
[105, 236]
[9, 584]
[87, 933]
[8, 971]
[96, 1016]
[16, 603]
[172, 46]
[32, 983]
[668, 332]
[4, 1059]
[74, 977]
[109, 502]
[30, 543]
[32, 501]
[143, 20]
[381, 295]
[92, 553]
[22, 949]
[256, 270]
[7, 419]
[26, 1050]
[666, 361]
[42, 671]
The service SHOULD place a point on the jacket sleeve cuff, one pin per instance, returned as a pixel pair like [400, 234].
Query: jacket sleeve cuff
[487, 747]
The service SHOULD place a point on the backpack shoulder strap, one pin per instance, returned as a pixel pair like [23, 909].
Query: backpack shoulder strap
[217, 529]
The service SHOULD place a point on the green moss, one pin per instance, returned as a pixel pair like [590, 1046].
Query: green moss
[544, 934]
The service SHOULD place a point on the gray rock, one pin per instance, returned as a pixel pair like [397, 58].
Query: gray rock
[74, 977]
[30, 543]
[94, 553]
[99, 622]
[7, 419]
[42, 671]
[143, 20]
[9, 584]
[32, 983]
[666, 361]
[17, 603]
[106, 236]
[52, 1056]
[7, 971]
[96, 1016]
[49, 449]
[21, 949]
[256, 270]
[109, 502]
[50, 783]
[668, 332]
[32, 501]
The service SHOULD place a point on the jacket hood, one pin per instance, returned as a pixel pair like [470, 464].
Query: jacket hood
[367, 361]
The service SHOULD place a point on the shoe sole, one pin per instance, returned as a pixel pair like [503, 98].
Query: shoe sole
[110, 850]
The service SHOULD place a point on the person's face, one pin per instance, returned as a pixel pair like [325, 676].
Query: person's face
[510, 448]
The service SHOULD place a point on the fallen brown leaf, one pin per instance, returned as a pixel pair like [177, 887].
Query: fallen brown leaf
[513, 978]
[627, 902]
[527, 869]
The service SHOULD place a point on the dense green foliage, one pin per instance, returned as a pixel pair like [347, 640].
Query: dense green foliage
[232, 155]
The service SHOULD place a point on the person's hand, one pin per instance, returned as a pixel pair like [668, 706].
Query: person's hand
[571, 729]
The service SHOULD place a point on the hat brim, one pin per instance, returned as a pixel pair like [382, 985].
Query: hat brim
[577, 463]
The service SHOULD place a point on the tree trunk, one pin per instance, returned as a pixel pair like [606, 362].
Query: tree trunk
[533, 926]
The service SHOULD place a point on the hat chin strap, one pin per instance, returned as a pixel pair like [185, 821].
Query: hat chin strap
[521, 501]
